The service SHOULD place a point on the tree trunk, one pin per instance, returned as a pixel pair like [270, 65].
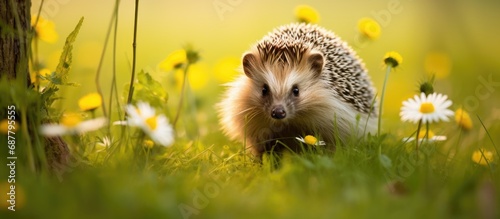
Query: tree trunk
[15, 48]
[15, 25]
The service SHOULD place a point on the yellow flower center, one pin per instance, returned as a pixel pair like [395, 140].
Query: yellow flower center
[422, 133]
[152, 122]
[71, 120]
[427, 108]
[90, 102]
[309, 139]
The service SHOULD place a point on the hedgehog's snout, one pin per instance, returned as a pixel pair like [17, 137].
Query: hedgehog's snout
[278, 112]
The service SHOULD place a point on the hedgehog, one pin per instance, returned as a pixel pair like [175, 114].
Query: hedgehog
[300, 79]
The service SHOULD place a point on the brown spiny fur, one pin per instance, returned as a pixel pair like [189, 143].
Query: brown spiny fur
[298, 80]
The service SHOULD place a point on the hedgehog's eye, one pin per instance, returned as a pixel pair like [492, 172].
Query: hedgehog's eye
[295, 90]
[265, 90]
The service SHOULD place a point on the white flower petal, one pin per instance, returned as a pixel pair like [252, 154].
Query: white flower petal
[50, 130]
[410, 111]
[91, 125]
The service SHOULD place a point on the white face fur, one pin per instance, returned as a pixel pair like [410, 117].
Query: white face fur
[281, 89]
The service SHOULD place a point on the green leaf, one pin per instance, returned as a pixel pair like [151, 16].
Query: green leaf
[147, 89]
[61, 74]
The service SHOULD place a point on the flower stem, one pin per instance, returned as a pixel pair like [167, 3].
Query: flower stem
[427, 131]
[181, 100]
[382, 99]
[416, 137]
[134, 53]
[99, 66]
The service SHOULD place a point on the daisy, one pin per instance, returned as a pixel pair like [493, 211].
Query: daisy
[427, 109]
[155, 126]
[71, 124]
[421, 137]
[105, 143]
[310, 140]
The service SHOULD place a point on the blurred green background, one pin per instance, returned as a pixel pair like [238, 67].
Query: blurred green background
[455, 39]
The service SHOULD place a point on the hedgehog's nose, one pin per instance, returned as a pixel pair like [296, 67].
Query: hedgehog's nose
[278, 112]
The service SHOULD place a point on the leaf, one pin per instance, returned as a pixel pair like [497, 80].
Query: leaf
[61, 74]
[147, 89]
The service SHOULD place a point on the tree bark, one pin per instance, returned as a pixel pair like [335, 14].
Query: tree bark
[15, 48]
[15, 26]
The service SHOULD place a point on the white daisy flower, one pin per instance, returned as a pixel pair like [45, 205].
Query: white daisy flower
[422, 137]
[72, 124]
[104, 143]
[155, 126]
[432, 108]
[310, 140]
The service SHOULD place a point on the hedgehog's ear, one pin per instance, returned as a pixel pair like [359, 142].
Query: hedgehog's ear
[250, 64]
[316, 61]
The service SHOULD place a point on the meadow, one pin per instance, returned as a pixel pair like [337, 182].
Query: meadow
[119, 120]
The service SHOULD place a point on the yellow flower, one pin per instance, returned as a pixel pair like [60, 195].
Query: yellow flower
[393, 59]
[226, 69]
[174, 61]
[148, 144]
[438, 64]
[482, 157]
[4, 126]
[310, 140]
[463, 119]
[90, 102]
[45, 30]
[7, 194]
[197, 76]
[369, 28]
[307, 14]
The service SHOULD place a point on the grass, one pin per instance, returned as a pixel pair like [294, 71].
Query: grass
[220, 182]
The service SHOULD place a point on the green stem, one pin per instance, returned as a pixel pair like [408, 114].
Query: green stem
[382, 99]
[427, 131]
[99, 66]
[181, 100]
[113, 80]
[134, 54]
[29, 146]
[416, 137]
